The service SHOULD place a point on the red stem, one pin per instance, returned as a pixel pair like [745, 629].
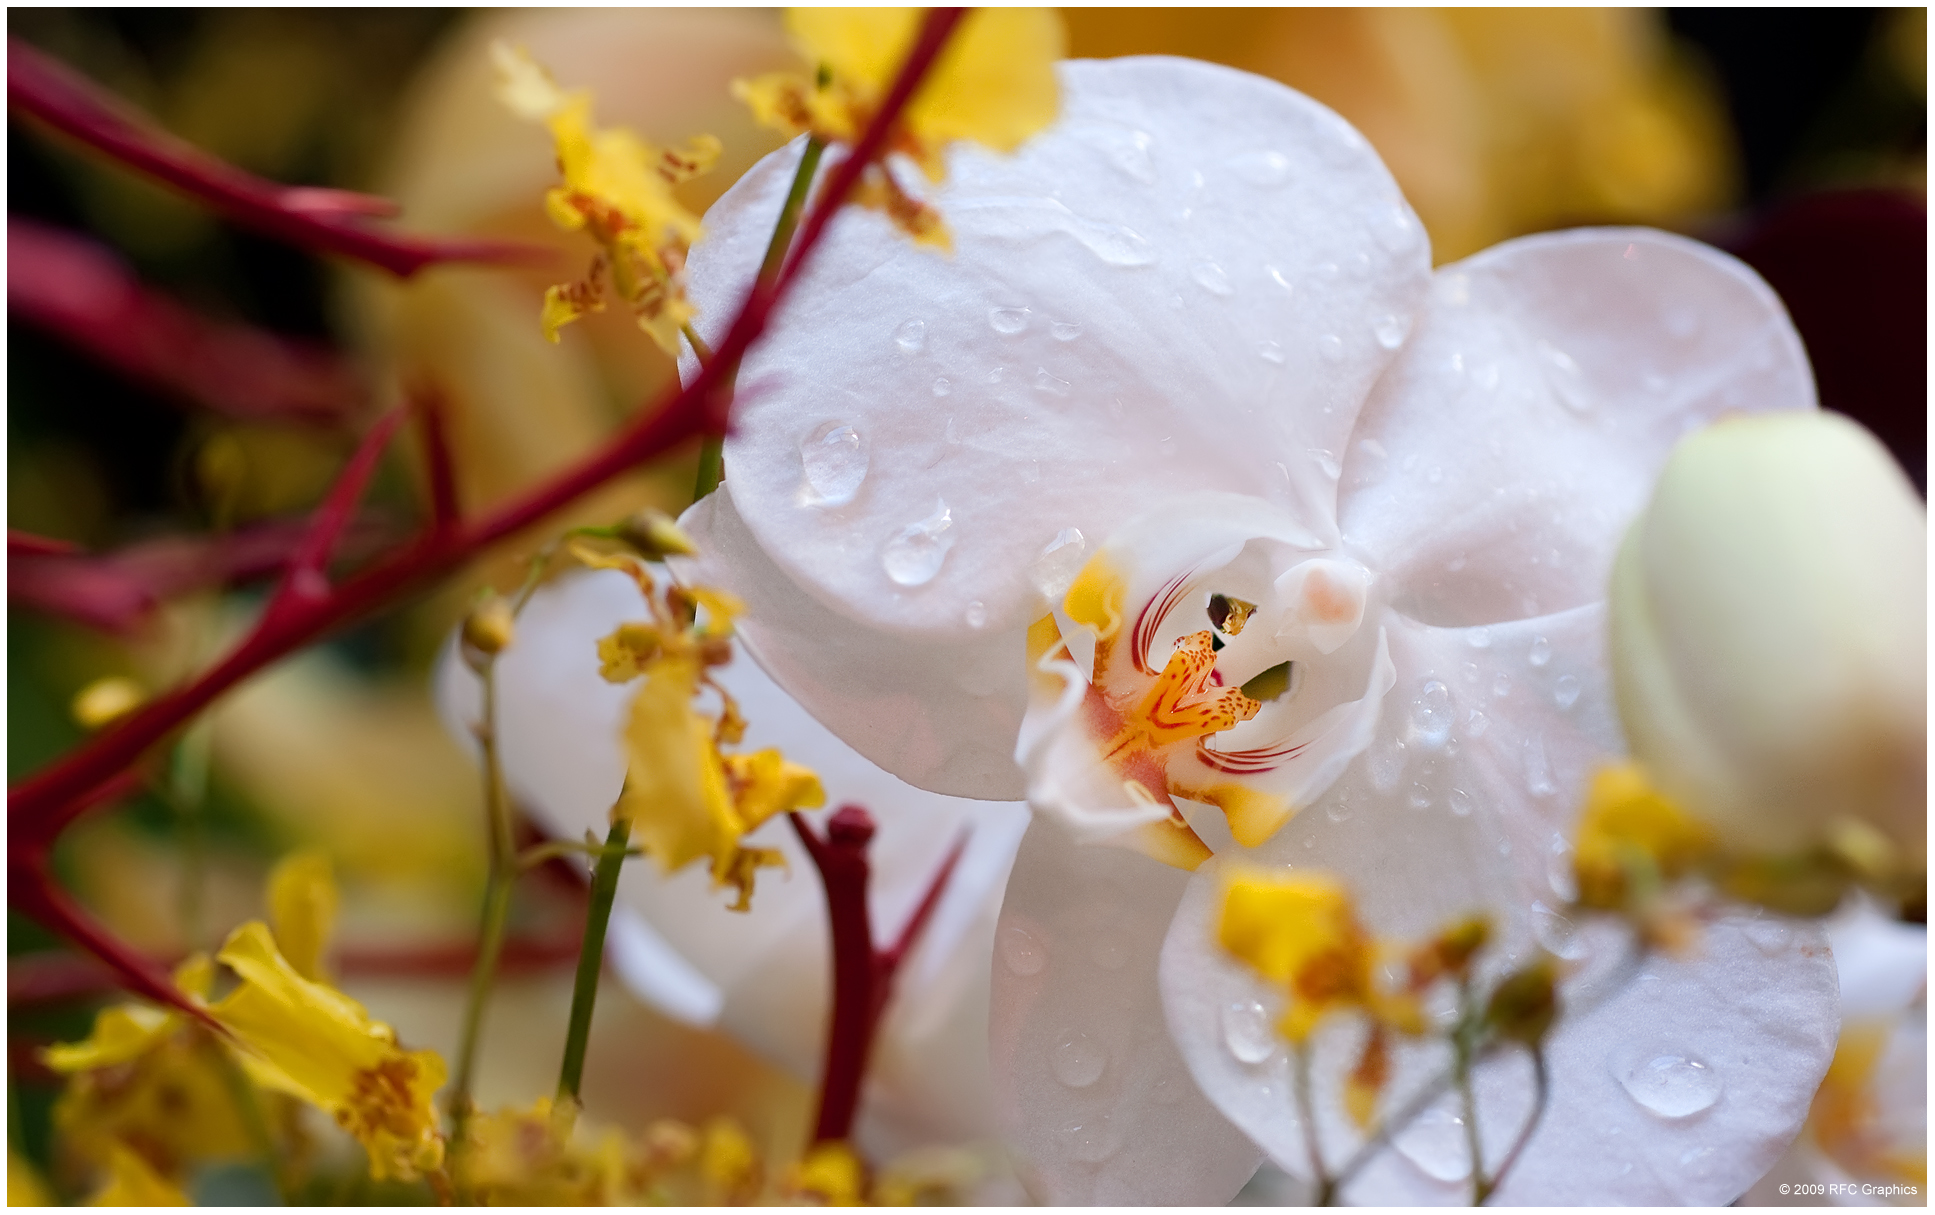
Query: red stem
[863, 974]
[41, 805]
[438, 462]
[330, 221]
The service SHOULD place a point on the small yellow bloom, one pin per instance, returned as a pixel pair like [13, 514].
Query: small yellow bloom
[302, 906]
[727, 1162]
[994, 84]
[131, 1183]
[107, 699]
[316, 1044]
[831, 1176]
[1301, 933]
[1632, 838]
[618, 189]
[539, 1156]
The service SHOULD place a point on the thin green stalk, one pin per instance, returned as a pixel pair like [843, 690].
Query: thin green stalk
[1462, 1049]
[584, 991]
[711, 459]
[1307, 1114]
[1542, 1095]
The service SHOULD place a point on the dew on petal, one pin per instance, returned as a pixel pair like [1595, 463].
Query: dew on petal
[1126, 148]
[1048, 382]
[1397, 232]
[1247, 1031]
[1261, 168]
[1419, 797]
[1432, 715]
[1556, 933]
[1541, 652]
[1568, 382]
[997, 375]
[1435, 1142]
[1669, 1083]
[1460, 803]
[1008, 320]
[1089, 1140]
[1054, 568]
[1479, 638]
[1271, 352]
[1210, 277]
[1565, 691]
[1331, 347]
[1065, 331]
[1477, 724]
[1077, 1060]
[976, 614]
[1386, 763]
[1390, 331]
[1338, 809]
[1327, 461]
[1769, 934]
[1559, 873]
[943, 386]
[911, 336]
[834, 459]
[915, 553]
[1501, 685]
[1021, 952]
[1539, 781]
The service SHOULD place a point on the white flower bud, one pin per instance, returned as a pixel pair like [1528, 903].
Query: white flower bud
[1768, 624]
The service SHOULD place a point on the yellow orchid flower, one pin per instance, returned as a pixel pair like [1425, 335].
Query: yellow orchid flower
[618, 189]
[994, 85]
[132, 1183]
[541, 1156]
[302, 906]
[314, 1043]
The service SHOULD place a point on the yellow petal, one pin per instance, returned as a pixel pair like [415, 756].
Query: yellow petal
[131, 1183]
[765, 783]
[831, 1175]
[995, 82]
[122, 1033]
[302, 906]
[523, 85]
[24, 1186]
[675, 786]
[1299, 932]
[309, 1040]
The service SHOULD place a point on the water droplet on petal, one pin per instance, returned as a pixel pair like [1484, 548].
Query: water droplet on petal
[1435, 1142]
[1419, 797]
[1501, 685]
[1386, 763]
[1539, 781]
[911, 336]
[1565, 691]
[1089, 1139]
[1460, 803]
[1021, 952]
[1397, 232]
[997, 375]
[1331, 347]
[1272, 352]
[1210, 277]
[1390, 332]
[1260, 168]
[1065, 331]
[914, 555]
[1077, 1060]
[1568, 382]
[1558, 934]
[1338, 809]
[976, 614]
[1558, 869]
[1053, 570]
[1479, 638]
[1477, 724]
[1431, 715]
[943, 386]
[1327, 461]
[1050, 383]
[1669, 1083]
[1247, 1031]
[1008, 320]
[1541, 652]
[1770, 935]
[834, 458]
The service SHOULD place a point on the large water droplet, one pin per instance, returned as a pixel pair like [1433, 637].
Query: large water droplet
[1260, 168]
[1565, 691]
[834, 458]
[1435, 1142]
[1247, 1031]
[1089, 1140]
[1272, 352]
[1053, 570]
[1077, 1060]
[1210, 277]
[943, 386]
[1669, 1083]
[1008, 320]
[911, 336]
[1331, 347]
[1558, 934]
[1021, 952]
[1460, 803]
[1771, 935]
[976, 614]
[1390, 332]
[1431, 715]
[1559, 873]
[1065, 331]
[915, 553]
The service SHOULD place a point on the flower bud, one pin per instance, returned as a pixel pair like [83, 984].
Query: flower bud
[656, 536]
[106, 699]
[1768, 620]
[490, 626]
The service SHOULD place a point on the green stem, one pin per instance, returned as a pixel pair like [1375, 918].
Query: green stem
[1462, 1047]
[584, 991]
[1307, 1114]
[1542, 1094]
[711, 448]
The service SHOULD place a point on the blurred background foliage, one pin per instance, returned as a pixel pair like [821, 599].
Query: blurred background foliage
[1795, 137]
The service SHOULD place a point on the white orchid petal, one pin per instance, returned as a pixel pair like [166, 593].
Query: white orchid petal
[940, 715]
[1882, 963]
[1499, 462]
[1097, 1106]
[559, 724]
[1183, 282]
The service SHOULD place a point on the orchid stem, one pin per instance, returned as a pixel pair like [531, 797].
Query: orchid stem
[1307, 1114]
[591, 955]
[1541, 1097]
[711, 449]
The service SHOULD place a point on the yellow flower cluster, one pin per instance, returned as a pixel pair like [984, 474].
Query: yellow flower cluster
[542, 1155]
[617, 188]
[994, 85]
[684, 797]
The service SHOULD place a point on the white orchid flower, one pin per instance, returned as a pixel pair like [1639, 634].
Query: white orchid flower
[1190, 343]
[761, 976]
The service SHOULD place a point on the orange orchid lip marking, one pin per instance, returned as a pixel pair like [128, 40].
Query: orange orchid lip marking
[1181, 706]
